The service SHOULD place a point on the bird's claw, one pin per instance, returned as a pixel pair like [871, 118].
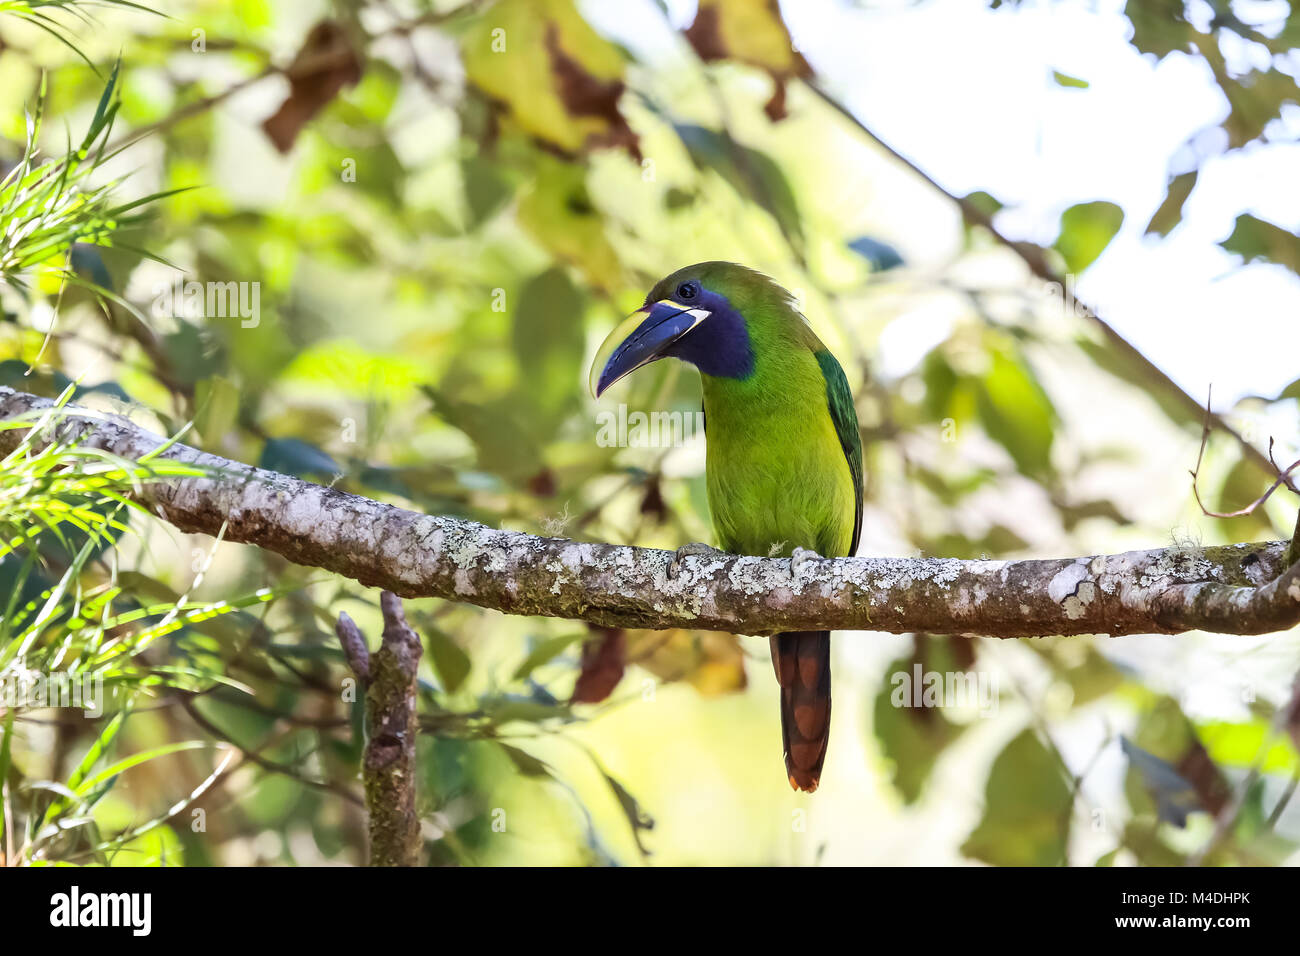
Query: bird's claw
[798, 558]
[695, 548]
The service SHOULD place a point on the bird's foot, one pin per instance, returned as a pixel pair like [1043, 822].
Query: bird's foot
[696, 549]
[800, 557]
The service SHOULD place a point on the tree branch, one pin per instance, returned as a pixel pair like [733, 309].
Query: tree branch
[1237, 589]
[1292, 554]
[388, 766]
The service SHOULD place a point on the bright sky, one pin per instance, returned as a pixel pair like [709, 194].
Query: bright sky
[967, 93]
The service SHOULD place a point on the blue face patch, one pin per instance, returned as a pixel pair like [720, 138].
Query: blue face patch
[718, 346]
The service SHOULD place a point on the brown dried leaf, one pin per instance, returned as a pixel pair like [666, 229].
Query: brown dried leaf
[560, 81]
[603, 660]
[653, 505]
[585, 95]
[749, 31]
[326, 63]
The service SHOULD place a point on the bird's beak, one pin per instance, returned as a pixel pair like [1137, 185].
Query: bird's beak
[640, 339]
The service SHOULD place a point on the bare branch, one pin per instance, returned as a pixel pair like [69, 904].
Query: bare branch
[354, 647]
[1238, 589]
[1283, 476]
[388, 764]
[1292, 555]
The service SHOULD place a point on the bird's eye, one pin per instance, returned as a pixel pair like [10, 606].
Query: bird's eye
[687, 290]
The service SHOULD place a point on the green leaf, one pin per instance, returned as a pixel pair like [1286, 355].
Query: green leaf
[217, 402]
[1254, 239]
[545, 651]
[1027, 807]
[97, 750]
[911, 738]
[1016, 412]
[1086, 230]
[678, 198]
[486, 189]
[1170, 212]
[1165, 733]
[126, 763]
[557, 78]
[506, 447]
[378, 169]
[191, 352]
[951, 489]
[1073, 514]
[449, 659]
[941, 384]
[1244, 483]
[1089, 674]
[746, 32]
[998, 540]
[526, 763]
[637, 818]
[1071, 82]
[1240, 745]
[557, 211]
[549, 341]
[751, 173]
[293, 456]
[1159, 27]
[986, 203]
[512, 708]
[1256, 99]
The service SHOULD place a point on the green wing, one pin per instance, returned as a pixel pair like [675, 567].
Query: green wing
[845, 418]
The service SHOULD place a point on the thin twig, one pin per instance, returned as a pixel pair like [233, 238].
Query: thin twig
[354, 647]
[1283, 801]
[253, 755]
[1283, 477]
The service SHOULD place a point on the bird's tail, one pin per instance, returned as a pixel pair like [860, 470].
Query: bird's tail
[802, 660]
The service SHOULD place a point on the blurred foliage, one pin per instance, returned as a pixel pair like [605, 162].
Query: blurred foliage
[442, 207]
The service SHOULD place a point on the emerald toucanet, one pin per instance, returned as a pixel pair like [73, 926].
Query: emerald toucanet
[784, 460]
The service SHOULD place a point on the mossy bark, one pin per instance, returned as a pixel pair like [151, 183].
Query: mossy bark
[388, 763]
[1239, 589]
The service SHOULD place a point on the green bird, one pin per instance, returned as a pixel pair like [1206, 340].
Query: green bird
[784, 459]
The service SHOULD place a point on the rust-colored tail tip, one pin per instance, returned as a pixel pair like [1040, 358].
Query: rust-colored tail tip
[807, 784]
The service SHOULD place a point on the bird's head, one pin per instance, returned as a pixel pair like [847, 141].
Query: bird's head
[708, 314]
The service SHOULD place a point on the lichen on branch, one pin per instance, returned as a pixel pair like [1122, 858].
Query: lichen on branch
[1236, 589]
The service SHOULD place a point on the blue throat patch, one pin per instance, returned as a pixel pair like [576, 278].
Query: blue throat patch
[720, 345]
